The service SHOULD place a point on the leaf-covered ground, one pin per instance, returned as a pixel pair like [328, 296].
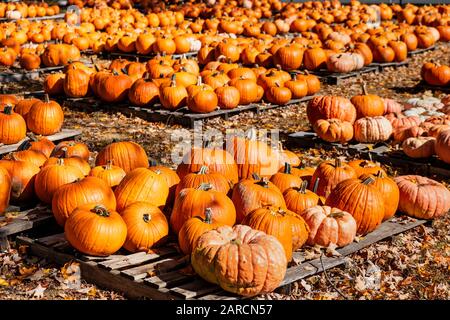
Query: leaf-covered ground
[412, 265]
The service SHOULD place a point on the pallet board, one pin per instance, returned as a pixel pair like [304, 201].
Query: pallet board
[134, 56]
[165, 274]
[54, 17]
[384, 65]
[181, 116]
[336, 78]
[23, 220]
[419, 51]
[380, 152]
[65, 134]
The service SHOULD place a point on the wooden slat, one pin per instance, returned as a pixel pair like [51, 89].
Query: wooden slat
[157, 267]
[101, 277]
[63, 135]
[121, 260]
[220, 295]
[52, 240]
[167, 280]
[197, 287]
[387, 229]
[26, 220]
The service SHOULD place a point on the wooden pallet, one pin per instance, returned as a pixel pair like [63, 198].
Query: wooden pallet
[337, 78]
[134, 56]
[54, 17]
[384, 65]
[419, 51]
[162, 273]
[181, 116]
[65, 134]
[381, 152]
[23, 220]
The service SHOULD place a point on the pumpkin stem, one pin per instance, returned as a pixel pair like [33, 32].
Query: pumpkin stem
[256, 176]
[173, 80]
[46, 98]
[379, 174]
[24, 145]
[32, 137]
[208, 216]
[364, 89]
[101, 211]
[60, 162]
[8, 109]
[368, 180]
[205, 186]
[338, 162]
[114, 72]
[109, 164]
[303, 187]
[287, 168]
[146, 217]
[203, 170]
[316, 185]
[339, 214]
[153, 163]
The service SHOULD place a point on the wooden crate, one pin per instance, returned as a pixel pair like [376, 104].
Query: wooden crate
[181, 116]
[162, 274]
[378, 152]
[65, 134]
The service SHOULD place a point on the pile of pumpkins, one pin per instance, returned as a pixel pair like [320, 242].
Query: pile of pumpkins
[17, 116]
[177, 83]
[22, 10]
[421, 126]
[247, 195]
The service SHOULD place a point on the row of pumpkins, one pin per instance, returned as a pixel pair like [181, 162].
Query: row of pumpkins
[176, 83]
[369, 118]
[213, 203]
[22, 10]
[19, 116]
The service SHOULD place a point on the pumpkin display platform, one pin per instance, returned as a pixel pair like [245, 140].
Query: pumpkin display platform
[182, 116]
[337, 78]
[162, 273]
[381, 152]
[53, 17]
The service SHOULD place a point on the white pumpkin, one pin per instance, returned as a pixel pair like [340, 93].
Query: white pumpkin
[13, 14]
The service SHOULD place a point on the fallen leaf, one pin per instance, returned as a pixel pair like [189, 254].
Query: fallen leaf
[360, 284]
[24, 271]
[305, 285]
[36, 276]
[331, 251]
[3, 282]
[37, 292]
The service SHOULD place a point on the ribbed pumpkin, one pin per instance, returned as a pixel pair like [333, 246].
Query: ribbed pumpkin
[22, 175]
[285, 180]
[251, 194]
[300, 198]
[35, 157]
[173, 96]
[147, 226]
[368, 105]
[365, 167]
[143, 93]
[114, 87]
[45, 117]
[333, 130]
[126, 154]
[228, 97]
[347, 196]
[23, 106]
[142, 184]
[5, 189]
[109, 173]
[79, 163]
[329, 107]
[50, 178]
[442, 146]
[39, 144]
[253, 156]
[422, 197]
[420, 147]
[12, 126]
[69, 149]
[372, 129]
[72, 195]
[193, 229]
[275, 222]
[193, 180]
[329, 226]
[193, 202]
[329, 174]
[171, 177]
[94, 230]
[241, 274]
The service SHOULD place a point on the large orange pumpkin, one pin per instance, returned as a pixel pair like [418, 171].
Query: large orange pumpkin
[126, 154]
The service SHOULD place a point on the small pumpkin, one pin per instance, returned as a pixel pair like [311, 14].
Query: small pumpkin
[45, 117]
[5, 189]
[12, 126]
[285, 180]
[420, 147]
[300, 198]
[333, 130]
[109, 173]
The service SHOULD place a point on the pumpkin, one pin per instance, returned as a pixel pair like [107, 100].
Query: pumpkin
[23, 107]
[300, 229]
[419, 147]
[72, 195]
[288, 156]
[12, 126]
[38, 144]
[94, 230]
[314, 58]
[79, 163]
[173, 96]
[251, 194]
[299, 199]
[22, 179]
[109, 173]
[171, 177]
[365, 167]
[278, 95]
[275, 222]
[45, 117]
[328, 174]
[248, 90]
[192, 230]
[5, 189]
[143, 93]
[400, 122]
[285, 180]
[114, 87]
[69, 149]
[142, 184]
[76, 83]
[228, 97]
[442, 146]
[312, 82]
[329, 226]
[242, 243]
[217, 161]
[372, 129]
[368, 105]
[333, 130]
[51, 177]
[422, 197]
[329, 107]
[298, 87]
[347, 196]
[147, 226]
[35, 157]
[127, 155]
[193, 180]
[203, 101]
[192, 202]
[289, 57]
[253, 156]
